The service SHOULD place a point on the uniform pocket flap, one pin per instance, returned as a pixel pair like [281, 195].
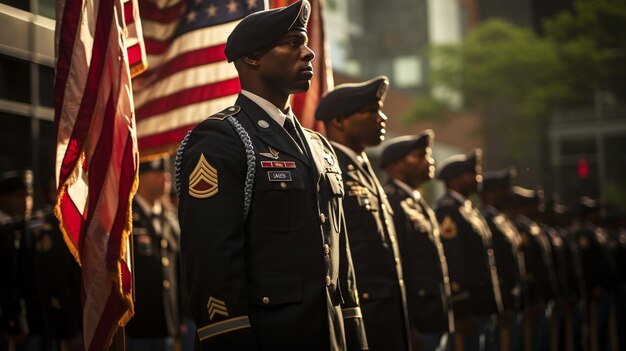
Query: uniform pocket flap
[423, 288]
[373, 288]
[272, 288]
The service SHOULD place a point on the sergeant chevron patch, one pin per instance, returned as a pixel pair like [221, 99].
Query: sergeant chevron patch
[203, 180]
[216, 306]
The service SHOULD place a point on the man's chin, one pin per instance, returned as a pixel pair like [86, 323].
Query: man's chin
[301, 88]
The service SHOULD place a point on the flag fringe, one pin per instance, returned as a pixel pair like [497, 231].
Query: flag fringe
[71, 180]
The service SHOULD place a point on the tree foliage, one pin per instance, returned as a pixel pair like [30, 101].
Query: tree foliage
[499, 62]
[583, 52]
[591, 43]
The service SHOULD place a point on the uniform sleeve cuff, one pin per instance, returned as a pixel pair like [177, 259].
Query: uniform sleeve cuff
[352, 312]
[223, 327]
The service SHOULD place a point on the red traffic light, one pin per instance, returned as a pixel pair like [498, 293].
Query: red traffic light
[583, 169]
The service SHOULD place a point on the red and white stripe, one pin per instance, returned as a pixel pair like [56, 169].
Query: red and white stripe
[188, 78]
[97, 158]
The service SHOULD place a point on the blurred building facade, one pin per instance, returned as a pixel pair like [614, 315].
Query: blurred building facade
[26, 89]
[571, 154]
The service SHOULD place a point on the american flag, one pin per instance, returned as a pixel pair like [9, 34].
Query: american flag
[97, 158]
[188, 77]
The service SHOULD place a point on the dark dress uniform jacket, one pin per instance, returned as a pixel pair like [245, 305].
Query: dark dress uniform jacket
[467, 243]
[423, 261]
[277, 280]
[156, 273]
[58, 277]
[594, 256]
[20, 309]
[540, 275]
[507, 243]
[376, 257]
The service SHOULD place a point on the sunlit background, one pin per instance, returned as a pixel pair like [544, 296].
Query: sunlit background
[539, 85]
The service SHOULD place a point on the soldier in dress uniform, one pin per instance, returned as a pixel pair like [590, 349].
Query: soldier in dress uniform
[156, 322]
[53, 263]
[468, 246]
[20, 312]
[264, 245]
[598, 270]
[614, 221]
[540, 277]
[409, 164]
[509, 257]
[353, 121]
[568, 270]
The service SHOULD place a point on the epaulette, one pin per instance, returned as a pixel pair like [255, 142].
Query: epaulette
[320, 136]
[227, 112]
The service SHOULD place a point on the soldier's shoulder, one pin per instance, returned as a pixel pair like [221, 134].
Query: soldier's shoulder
[225, 113]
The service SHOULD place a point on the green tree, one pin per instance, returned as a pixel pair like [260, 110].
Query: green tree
[591, 42]
[499, 63]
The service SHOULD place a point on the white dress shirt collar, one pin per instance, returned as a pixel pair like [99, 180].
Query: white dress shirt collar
[274, 112]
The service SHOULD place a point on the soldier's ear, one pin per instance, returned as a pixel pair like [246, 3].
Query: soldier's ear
[337, 123]
[253, 59]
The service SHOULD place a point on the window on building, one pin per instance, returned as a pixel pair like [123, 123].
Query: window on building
[14, 79]
[46, 8]
[46, 85]
[14, 136]
[20, 4]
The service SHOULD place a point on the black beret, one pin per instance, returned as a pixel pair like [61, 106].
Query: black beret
[158, 164]
[347, 99]
[261, 29]
[526, 197]
[498, 179]
[15, 180]
[399, 147]
[458, 164]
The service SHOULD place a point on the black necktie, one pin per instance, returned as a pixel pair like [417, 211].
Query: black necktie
[291, 129]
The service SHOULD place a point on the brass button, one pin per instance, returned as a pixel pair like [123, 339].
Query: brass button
[283, 185]
[326, 249]
[368, 207]
[366, 296]
[266, 300]
[322, 218]
[397, 260]
[490, 252]
[327, 280]
[350, 168]
[494, 269]
[165, 261]
[163, 244]
[446, 279]
[166, 284]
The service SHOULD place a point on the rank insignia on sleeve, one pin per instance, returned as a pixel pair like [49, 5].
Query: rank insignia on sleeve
[216, 306]
[203, 180]
[448, 228]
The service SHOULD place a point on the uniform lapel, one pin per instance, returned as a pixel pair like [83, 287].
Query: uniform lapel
[316, 150]
[356, 172]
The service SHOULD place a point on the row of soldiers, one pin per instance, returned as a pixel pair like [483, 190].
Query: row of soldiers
[40, 299]
[289, 240]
